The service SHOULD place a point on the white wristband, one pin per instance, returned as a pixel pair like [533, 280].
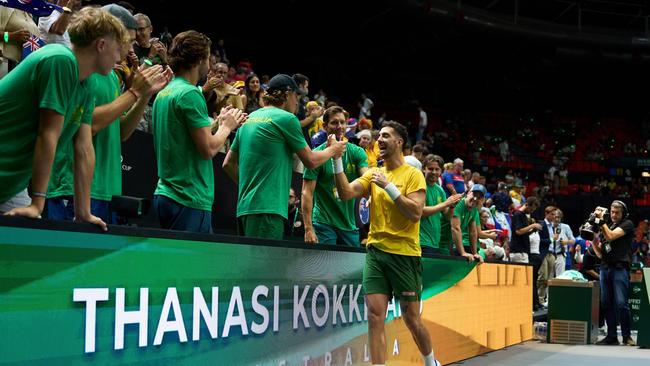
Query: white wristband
[393, 191]
[338, 165]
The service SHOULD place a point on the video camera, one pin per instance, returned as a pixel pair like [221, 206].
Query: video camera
[591, 228]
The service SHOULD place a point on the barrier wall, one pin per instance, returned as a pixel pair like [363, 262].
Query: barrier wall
[72, 296]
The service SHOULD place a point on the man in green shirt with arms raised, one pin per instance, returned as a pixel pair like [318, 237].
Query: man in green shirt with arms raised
[44, 103]
[111, 124]
[184, 141]
[436, 205]
[260, 160]
[465, 223]
[333, 220]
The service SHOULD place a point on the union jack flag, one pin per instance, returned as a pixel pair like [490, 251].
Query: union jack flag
[32, 44]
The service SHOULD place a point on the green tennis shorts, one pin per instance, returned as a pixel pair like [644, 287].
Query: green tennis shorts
[392, 274]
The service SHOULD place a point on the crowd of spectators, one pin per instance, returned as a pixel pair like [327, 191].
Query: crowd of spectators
[483, 213]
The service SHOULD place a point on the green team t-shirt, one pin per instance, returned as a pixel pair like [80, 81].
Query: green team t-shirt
[107, 181]
[107, 178]
[47, 79]
[466, 216]
[265, 144]
[445, 233]
[329, 209]
[185, 176]
[430, 226]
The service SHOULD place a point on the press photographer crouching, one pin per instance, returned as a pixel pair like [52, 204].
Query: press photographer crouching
[616, 250]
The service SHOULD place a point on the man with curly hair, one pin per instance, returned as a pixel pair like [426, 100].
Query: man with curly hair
[184, 139]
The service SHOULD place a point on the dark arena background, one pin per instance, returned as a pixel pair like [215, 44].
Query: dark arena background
[542, 75]
[542, 99]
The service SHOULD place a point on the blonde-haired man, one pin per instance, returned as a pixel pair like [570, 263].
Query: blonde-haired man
[46, 107]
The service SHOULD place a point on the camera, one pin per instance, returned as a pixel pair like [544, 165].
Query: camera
[591, 228]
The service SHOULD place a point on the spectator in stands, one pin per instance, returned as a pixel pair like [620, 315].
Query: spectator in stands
[184, 142]
[252, 98]
[467, 178]
[54, 27]
[53, 80]
[515, 195]
[464, 224]
[328, 219]
[214, 60]
[522, 227]
[221, 50]
[365, 107]
[147, 47]
[547, 235]
[504, 150]
[260, 159]
[294, 223]
[420, 152]
[454, 183]
[615, 272]
[564, 177]
[487, 233]
[436, 206]
[242, 72]
[477, 179]
[221, 94]
[368, 144]
[230, 75]
[306, 115]
[18, 25]
[111, 124]
[422, 124]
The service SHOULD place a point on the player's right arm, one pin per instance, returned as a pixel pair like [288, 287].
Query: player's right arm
[307, 204]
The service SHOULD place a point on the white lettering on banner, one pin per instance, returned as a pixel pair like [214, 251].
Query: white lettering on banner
[305, 359]
[90, 296]
[320, 320]
[328, 358]
[232, 319]
[299, 307]
[337, 308]
[123, 317]
[354, 304]
[260, 309]
[327, 307]
[200, 310]
[276, 308]
[366, 353]
[395, 348]
[348, 357]
[176, 325]
[282, 363]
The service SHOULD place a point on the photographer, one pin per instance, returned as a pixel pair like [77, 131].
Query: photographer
[616, 248]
